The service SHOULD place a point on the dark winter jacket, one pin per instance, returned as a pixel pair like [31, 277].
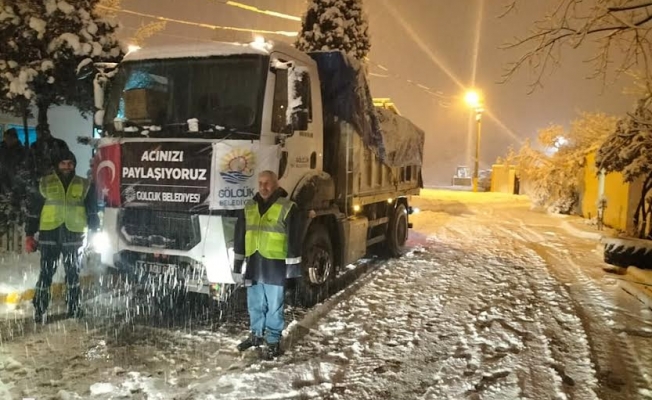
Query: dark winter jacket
[14, 180]
[11, 161]
[43, 152]
[11, 158]
[35, 205]
[259, 268]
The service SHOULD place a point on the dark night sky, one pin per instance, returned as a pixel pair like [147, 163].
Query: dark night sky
[427, 41]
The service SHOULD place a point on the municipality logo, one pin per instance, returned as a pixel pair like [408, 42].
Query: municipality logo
[238, 166]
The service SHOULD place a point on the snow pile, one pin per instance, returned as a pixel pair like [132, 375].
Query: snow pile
[335, 25]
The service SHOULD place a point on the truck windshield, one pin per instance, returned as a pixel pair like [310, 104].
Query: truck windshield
[221, 96]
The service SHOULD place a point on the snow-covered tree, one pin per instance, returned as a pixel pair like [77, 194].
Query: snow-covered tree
[46, 42]
[628, 150]
[335, 25]
[619, 29]
[551, 170]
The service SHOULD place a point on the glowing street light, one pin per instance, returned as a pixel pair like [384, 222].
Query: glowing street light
[132, 47]
[474, 100]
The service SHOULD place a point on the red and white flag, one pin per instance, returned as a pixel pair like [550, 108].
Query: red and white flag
[106, 172]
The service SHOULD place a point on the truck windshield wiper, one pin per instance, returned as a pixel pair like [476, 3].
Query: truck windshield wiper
[127, 127]
[205, 127]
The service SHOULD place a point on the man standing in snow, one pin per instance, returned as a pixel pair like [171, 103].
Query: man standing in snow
[62, 210]
[267, 234]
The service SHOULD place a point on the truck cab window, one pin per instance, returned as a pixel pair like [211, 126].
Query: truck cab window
[279, 108]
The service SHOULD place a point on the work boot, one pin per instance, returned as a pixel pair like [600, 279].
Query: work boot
[251, 341]
[273, 351]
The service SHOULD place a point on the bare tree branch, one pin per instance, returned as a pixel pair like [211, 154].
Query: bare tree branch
[620, 29]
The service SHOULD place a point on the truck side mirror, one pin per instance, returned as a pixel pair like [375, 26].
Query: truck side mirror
[300, 119]
[288, 129]
[283, 164]
[301, 114]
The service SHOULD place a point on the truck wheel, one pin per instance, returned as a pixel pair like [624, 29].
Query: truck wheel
[317, 266]
[397, 231]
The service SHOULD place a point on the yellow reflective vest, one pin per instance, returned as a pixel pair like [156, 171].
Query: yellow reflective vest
[266, 233]
[61, 206]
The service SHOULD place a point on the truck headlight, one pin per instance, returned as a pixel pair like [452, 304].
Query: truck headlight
[100, 242]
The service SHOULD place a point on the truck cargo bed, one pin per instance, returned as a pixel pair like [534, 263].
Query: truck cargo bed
[362, 178]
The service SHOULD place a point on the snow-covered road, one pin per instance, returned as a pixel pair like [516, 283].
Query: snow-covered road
[493, 301]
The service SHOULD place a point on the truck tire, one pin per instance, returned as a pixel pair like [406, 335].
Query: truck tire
[318, 268]
[628, 253]
[397, 231]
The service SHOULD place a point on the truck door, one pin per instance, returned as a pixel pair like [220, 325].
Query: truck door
[296, 119]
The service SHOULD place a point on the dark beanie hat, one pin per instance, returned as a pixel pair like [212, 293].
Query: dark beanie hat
[64, 155]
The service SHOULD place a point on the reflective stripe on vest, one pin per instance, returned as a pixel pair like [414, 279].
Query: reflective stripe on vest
[266, 233]
[63, 207]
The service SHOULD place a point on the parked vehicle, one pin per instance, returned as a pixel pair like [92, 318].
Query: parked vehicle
[186, 130]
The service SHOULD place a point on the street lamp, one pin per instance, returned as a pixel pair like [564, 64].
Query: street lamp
[474, 100]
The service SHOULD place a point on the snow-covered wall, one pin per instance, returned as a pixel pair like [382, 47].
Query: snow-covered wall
[66, 123]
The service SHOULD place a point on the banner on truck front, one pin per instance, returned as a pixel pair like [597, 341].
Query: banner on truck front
[166, 175]
[236, 166]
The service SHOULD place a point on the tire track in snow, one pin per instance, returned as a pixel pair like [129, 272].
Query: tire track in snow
[618, 368]
[537, 375]
[481, 334]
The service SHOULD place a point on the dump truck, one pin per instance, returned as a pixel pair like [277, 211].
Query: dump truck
[184, 131]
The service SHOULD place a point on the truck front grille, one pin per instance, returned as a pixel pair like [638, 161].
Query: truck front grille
[159, 229]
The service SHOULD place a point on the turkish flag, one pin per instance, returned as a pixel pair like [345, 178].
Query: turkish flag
[106, 172]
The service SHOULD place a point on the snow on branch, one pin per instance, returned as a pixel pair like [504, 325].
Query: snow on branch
[551, 167]
[335, 25]
[629, 148]
[620, 30]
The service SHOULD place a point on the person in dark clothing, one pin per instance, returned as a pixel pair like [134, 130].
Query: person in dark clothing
[267, 235]
[44, 151]
[12, 188]
[64, 208]
[12, 152]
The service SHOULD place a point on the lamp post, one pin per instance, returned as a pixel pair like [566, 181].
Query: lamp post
[474, 101]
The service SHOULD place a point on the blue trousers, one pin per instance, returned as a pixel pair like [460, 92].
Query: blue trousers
[265, 304]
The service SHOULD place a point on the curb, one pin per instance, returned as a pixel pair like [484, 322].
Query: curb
[643, 294]
[57, 291]
[568, 227]
[640, 275]
[297, 331]
[638, 283]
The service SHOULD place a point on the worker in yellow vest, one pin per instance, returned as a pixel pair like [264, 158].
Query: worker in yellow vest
[64, 207]
[267, 236]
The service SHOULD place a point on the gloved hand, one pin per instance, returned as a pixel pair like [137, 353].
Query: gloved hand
[237, 278]
[30, 244]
